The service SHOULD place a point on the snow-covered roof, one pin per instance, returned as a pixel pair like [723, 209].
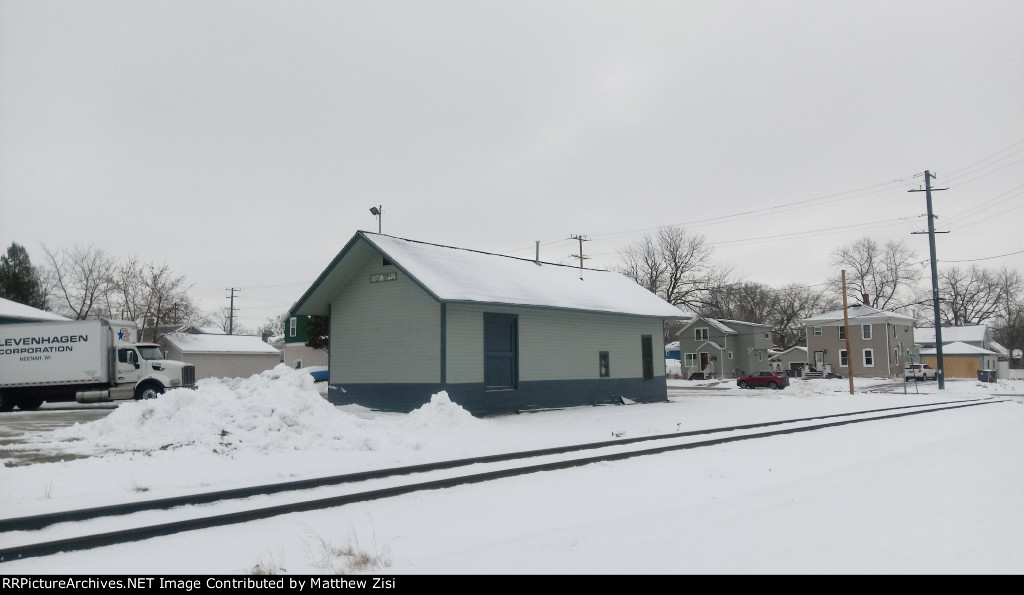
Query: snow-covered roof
[12, 310]
[225, 344]
[860, 313]
[721, 324]
[460, 275]
[950, 334]
[795, 348]
[958, 348]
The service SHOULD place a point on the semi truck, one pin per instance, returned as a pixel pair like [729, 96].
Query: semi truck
[83, 361]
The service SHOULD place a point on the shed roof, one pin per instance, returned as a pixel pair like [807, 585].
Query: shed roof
[18, 312]
[460, 275]
[223, 344]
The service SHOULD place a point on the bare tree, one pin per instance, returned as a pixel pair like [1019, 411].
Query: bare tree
[675, 265]
[795, 303]
[1009, 330]
[82, 279]
[976, 295]
[749, 302]
[880, 276]
[167, 300]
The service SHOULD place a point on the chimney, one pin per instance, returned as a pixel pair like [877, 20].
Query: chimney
[536, 259]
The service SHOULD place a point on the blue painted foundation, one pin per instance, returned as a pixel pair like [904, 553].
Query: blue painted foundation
[545, 394]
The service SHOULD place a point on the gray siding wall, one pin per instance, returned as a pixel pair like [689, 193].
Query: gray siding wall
[553, 344]
[235, 365]
[387, 331]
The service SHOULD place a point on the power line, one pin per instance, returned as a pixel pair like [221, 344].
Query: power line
[985, 258]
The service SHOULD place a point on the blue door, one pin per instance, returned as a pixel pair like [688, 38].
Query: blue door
[501, 346]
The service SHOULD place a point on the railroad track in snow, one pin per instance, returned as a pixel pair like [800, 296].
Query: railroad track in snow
[47, 534]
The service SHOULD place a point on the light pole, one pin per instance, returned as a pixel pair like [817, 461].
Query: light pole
[377, 212]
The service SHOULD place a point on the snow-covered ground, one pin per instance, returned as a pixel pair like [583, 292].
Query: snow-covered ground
[933, 493]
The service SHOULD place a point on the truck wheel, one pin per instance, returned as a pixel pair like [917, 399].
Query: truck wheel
[773, 385]
[30, 403]
[7, 403]
[742, 384]
[149, 390]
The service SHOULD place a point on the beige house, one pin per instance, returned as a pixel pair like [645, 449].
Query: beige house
[881, 343]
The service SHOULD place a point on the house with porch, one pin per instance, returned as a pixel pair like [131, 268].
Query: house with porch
[881, 343]
[718, 348]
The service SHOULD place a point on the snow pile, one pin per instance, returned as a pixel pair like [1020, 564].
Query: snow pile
[441, 412]
[280, 409]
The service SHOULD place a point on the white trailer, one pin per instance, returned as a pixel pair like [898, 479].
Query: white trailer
[84, 361]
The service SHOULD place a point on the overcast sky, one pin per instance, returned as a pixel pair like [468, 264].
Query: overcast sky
[242, 143]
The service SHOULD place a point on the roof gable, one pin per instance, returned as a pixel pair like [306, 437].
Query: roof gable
[459, 275]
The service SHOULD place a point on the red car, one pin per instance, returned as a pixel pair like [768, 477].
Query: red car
[774, 380]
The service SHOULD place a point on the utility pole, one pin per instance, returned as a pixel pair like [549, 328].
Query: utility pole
[581, 239]
[940, 373]
[231, 312]
[846, 333]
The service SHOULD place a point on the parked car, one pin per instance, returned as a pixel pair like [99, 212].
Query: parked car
[774, 380]
[919, 372]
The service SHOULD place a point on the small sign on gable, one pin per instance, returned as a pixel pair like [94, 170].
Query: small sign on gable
[381, 277]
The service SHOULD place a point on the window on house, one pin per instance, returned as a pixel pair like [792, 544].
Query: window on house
[869, 358]
[842, 359]
[602, 364]
[865, 332]
[730, 355]
[700, 334]
[758, 356]
[690, 359]
[842, 333]
[291, 326]
[817, 331]
[894, 331]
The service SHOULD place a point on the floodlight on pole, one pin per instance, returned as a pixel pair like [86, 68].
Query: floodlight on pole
[377, 212]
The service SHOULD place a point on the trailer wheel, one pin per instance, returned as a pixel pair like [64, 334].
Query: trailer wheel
[7, 402]
[30, 403]
[149, 390]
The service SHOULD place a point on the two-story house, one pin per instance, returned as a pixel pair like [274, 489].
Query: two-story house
[716, 348]
[881, 342]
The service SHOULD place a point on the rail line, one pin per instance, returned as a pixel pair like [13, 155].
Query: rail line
[668, 443]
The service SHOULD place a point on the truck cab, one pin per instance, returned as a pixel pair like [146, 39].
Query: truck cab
[144, 366]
